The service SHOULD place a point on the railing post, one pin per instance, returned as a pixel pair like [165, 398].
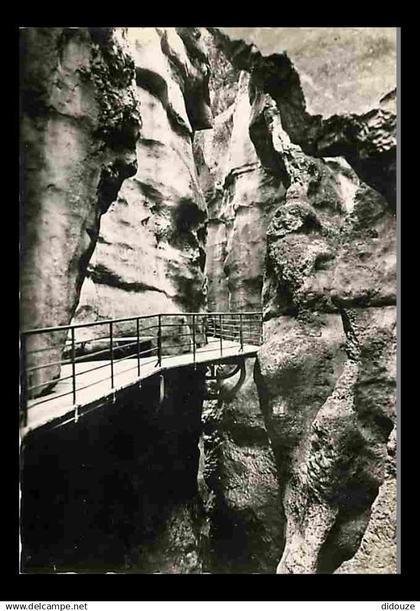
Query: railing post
[159, 340]
[241, 335]
[73, 365]
[23, 382]
[193, 337]
[111, 347]
[205, 327]
[221, 334]
[138, 346]
[261, 329]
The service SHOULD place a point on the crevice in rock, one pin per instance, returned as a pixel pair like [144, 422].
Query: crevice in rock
[112, 177]
[102, 275]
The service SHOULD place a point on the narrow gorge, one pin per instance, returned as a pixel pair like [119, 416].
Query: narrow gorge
[189, 170]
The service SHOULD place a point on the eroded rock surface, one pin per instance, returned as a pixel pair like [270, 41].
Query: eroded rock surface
[241, 193]
[150, 253]
[367, 141]
[326, 371]
[79, 124]
[351, 69]
[377, 551]
[246, 522]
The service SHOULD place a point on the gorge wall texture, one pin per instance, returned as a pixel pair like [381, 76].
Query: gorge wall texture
[326, 371]
[82, 94]
[151, 247]
[241, 195]
[230, 193]
[79, 125]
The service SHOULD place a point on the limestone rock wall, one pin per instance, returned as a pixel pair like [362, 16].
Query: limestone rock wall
[329, 294]
[341, 70]
[150, 253]
[377, 551]
[243, 501]
[80, 140]
[241, 194]
[325, 256]
[366, 140]
[148, 257]
[240, 481]
[79, 125]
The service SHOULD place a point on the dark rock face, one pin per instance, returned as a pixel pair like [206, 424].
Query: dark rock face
[241, 487]
[327, 369]
[118, 490]
[326, 379]
[375, 554]
[245, 516]
[79, 125]
[149, 256]
[332, 453]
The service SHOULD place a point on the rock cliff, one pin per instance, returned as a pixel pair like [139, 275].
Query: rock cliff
[367, 141]
[80, 140]
[79, 125]
[241, 195]
[242, 495]
[326, 371]
[151, 251]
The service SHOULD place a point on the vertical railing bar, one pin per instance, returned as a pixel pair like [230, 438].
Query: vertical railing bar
[73, 364]
[254, 319]
[111, 347]
[138, 345]
[159, 340]
[23, 381]
[205, 327]
[193, 337]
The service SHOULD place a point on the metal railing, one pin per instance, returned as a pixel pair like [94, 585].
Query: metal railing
[55, 354]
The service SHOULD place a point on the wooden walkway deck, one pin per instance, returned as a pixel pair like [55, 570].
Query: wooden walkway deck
[95, 385]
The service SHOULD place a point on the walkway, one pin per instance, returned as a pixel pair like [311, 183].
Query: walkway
[91, 376]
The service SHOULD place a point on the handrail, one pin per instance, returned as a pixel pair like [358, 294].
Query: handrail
[241, 327]
[129, 319]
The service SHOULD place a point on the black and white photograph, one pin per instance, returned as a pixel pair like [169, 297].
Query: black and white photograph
[208, 300]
